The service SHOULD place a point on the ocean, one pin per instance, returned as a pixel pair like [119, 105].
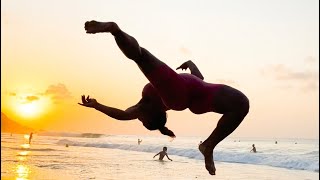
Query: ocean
[99, 156]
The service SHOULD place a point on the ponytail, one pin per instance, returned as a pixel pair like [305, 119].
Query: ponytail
[165, 131]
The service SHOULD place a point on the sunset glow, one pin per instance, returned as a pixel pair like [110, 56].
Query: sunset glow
[269, 50]
[32, 108]
[28, 109]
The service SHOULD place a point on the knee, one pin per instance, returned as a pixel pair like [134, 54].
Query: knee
[114, 28]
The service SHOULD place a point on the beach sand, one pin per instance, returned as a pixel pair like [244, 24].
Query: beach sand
[113, 164]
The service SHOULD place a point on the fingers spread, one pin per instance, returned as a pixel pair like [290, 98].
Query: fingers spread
[83, 98]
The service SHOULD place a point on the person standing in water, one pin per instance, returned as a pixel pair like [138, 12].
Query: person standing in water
[162, 154]
[139, 141]
[168, 90]
[30, 137]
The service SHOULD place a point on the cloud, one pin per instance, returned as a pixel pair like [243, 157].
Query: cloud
[226, 81]
[281, 72]
[12, 94]
[310, 60]
[28, 99]
[32, 98]
[306, 79]
[185, 51]
[312, 86]
[58, 92]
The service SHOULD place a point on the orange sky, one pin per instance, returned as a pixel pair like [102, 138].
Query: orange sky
[267, 49]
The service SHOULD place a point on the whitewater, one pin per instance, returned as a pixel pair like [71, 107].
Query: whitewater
[288, 157]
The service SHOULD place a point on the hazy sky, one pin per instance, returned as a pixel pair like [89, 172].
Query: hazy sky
[268, 49]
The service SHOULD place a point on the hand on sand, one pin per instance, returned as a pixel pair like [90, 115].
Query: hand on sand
[88, 102]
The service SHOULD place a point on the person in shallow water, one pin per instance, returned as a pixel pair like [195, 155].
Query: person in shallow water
[254, 150]
[162, 154]
[30, 137]
[168, 90]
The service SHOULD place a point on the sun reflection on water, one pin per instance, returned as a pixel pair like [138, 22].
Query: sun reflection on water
[23, 153]
[26, 136]
[22, 172]
[25, 146]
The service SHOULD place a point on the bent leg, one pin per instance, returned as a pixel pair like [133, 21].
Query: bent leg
[170, 86]
[226, 125]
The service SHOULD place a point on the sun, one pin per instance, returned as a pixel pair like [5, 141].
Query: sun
[29, 109]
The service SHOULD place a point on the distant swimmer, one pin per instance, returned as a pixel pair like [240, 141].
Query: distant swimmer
[276, 142]
[253, 149]
[162, 154]
[30, 137]
[169, 90]
[139, 141]
[67, 145]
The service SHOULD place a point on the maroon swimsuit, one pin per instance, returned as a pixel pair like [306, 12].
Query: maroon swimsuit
[180, 91]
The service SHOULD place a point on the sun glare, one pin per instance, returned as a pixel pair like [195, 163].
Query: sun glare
[28, 109]
[26, 136]
[31, 109]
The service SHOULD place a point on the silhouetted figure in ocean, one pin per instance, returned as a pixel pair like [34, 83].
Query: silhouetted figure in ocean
[253, 149]
[30, 137]
[162, 154]
[169, 90]
[139, 141]
[276, 142]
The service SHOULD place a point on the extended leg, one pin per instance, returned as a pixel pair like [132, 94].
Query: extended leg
[170, 86]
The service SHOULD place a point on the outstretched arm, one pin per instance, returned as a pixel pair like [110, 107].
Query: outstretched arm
[168, 157]
[156, 155]
[193, 68]
[129, 114]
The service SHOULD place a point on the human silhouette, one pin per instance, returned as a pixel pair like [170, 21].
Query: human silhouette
[162, 154]
[139, 141]
[169, 90]
[30, 137]
[253, 149]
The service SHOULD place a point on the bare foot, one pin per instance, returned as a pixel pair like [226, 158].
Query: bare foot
[208, 159]
[93, 27]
